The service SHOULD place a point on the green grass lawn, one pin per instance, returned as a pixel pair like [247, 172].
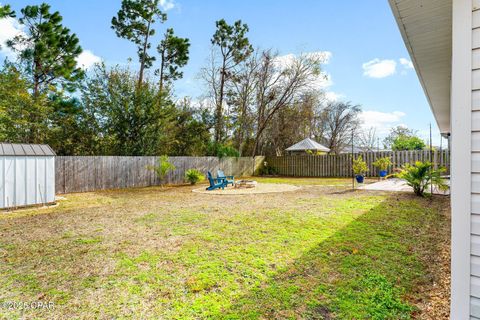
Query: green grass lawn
[167, 253]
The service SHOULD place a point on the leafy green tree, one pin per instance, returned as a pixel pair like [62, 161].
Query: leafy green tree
[396, 132]
[16, 104]
[135, 21]
[191, 134]
[72, 130]
[130, 119]
[174, 54]
[408, 143]
[234, 47]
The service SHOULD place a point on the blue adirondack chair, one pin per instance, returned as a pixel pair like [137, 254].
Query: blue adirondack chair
[214, 182]
[227, 179]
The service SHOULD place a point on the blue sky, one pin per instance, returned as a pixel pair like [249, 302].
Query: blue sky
[366, 48]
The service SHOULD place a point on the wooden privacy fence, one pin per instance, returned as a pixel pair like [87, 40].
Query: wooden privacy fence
[81, 174]
[341, 165]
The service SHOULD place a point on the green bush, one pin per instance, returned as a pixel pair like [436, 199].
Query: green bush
[359, 166]
[222, 150]
[420, 175]
[193, 176]
[382, 163]
[267, 170]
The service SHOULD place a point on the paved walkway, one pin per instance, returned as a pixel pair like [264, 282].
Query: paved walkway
[396, 185]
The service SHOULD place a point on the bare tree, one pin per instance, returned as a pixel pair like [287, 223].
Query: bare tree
[338, 120]
[279, 83]
[367, 139]
[210, 75]
[241, 97]
[292, 123]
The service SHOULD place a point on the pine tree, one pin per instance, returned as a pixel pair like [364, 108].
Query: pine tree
[135, 21]
[6, 11]
[174, 54]
[234, 47]
[47, 53]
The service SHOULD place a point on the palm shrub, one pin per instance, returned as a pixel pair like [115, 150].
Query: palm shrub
[359, 166]
[193, 176]
[420, 175]
[163, 167]
[382, 163]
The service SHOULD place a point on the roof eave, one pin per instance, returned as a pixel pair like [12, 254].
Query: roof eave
[395, 10]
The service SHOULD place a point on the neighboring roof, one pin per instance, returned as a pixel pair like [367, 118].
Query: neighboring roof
[426, 28]
[348, 149]
[307, 144]
[14, 149]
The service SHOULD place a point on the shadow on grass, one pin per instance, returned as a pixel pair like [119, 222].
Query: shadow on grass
[377, 267]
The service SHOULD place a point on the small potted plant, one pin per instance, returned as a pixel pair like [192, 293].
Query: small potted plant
[359, 169]
[382, 164]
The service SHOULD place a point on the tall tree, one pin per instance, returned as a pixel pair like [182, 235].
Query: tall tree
[135, 21]
[47, 53]
[241, 97]
[174, 54]
[233, 47]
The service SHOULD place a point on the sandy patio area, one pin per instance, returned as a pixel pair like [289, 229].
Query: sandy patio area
[259, 189]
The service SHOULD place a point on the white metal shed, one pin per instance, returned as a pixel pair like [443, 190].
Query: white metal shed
[27, 175]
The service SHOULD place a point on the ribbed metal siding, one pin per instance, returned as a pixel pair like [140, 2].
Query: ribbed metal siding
[26, 180]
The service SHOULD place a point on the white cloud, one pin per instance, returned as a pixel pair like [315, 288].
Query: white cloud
[286, 60]
[9, 28]
[407, 64]
[381, 121]
[87, 59]
[167, 4]
[333, 96]
[377, 68]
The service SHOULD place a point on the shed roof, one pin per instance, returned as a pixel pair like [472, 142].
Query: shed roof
[17, 149]
[307, 144]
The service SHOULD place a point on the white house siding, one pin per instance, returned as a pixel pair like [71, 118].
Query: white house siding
[26, 180]
[475, 166]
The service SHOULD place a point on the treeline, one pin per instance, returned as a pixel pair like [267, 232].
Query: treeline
[255, 101]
